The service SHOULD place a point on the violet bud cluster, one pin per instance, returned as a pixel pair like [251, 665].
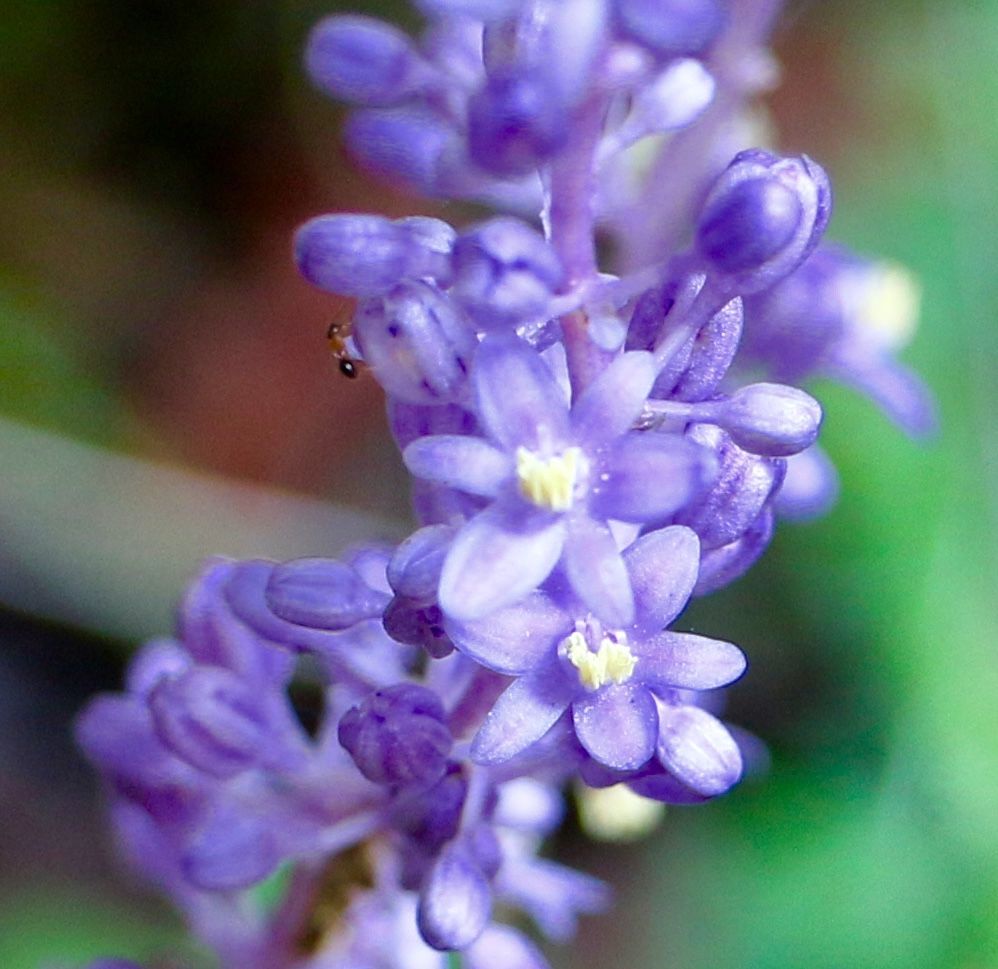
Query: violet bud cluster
[591, 445]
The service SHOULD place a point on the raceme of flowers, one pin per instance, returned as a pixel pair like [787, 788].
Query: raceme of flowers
[595, 392]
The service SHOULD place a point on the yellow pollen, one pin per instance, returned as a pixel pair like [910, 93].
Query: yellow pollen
[549, 482]
[886, 302]
[613, 662]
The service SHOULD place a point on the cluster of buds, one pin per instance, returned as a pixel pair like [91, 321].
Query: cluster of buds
[391, 733]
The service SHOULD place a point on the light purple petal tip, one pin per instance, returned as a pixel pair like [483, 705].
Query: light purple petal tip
[466, 463]
[617, 724]
[687, 662]
[663, 567]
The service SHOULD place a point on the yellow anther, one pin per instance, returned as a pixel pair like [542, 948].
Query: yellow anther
[616, 813]
[885, 300]
[613, 662]
[549, 482]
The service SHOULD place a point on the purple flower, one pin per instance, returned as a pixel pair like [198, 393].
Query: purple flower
[555, 476]
[609, 678]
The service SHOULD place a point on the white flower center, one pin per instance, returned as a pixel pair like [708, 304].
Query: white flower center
[549, 482]
[613, 662]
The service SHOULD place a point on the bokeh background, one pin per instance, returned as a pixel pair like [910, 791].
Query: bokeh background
[165, 393]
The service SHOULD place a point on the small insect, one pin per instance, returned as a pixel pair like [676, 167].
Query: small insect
[336, 336]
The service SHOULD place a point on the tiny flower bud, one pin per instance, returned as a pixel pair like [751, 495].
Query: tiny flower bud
[771, 419]
[697, 749]
[362, 60]
[417, 342]
[762, 218]
[356, 255]
[397, 735]
[505, 273]
[211, 718]
[455, 902]
[322, 594]
[414, 569]
[515, 122]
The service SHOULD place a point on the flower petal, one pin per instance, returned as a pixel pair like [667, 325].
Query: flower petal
[662, 567]
[649, 475]
[499, 557]
[466, 463]
[525, 711]
[687, 662]
[610, 404]
[697, 749]
[596, 571]
[617, 724]
[513, 640]
[519, 401]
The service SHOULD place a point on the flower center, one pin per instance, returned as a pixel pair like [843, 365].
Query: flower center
[613, 662]
[549, 482]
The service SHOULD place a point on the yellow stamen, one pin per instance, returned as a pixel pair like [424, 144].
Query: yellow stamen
[613, 662]
[549, 482]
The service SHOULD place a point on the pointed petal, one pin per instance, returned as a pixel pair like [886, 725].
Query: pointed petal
[519, 400]
[617, 724]
[650, 475]
[687, 662]
[662, 567]
[516, 639]
[697, 749]
[523, 714]
[610, 405]
[466, 463]
[596, 572]
[499, 557]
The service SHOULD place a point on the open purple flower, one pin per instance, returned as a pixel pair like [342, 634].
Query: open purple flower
[566, 659]
[556, 476]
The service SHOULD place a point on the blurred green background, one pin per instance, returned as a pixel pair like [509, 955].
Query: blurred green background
[165, 393]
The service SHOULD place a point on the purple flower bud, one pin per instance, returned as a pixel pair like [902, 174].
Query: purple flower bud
[455, 902]
[499, 945]
[322, 594]
[671, 28]
[743, 486]
[156, 660]
[721, 566]
[409, 622]
[356, 255]
[762, 218]
[697, 749]
[362, 60]
[212, 719]
[414, 569]
[515, 122]
[417, 343]
[412, 145]
[505, 273]
[398, 735]
[430, 816]
[771, 419]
